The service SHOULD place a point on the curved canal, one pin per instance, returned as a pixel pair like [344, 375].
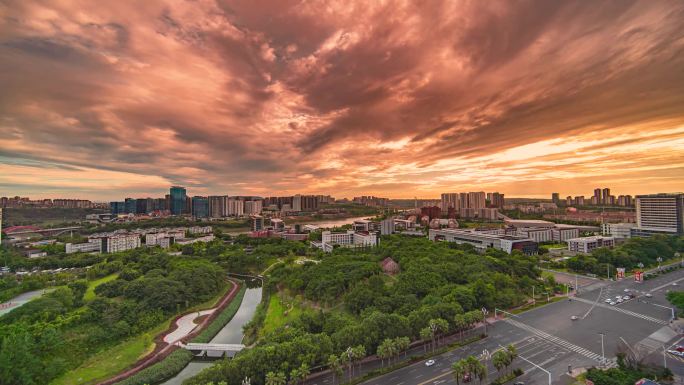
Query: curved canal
[230, 334]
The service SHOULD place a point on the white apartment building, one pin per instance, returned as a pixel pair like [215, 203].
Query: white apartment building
[483, 240]
[660, 213]
[235, 207]
[92, 246]
[254, 207]
[120, 242]
[588, 244]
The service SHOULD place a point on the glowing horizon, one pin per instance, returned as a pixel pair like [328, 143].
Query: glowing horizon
[103, 101]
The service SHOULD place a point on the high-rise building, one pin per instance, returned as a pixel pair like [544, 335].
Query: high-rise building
[497, 200]
[254, 207]
[217, 206]
[568, 201]
[476, 200]
[235, 207]
[178, 198]
[117, 207]
[449, 200]
[579, 200]
[605, 199]
[200, 207]
[131, 205]
[660, 213]
[555, 198]
[597, 196]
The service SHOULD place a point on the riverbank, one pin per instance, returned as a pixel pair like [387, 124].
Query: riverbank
[162, 349]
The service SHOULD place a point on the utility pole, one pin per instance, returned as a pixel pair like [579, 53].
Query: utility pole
[534, 302]
[664, 357]
[603, 354]
[576, 285]
[608, 269]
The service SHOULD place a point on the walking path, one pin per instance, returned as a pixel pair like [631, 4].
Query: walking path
[185, 325]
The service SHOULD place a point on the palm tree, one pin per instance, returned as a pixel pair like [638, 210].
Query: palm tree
[512, 354]
[304, 372]
[358, 353]
[382, 351]
[404, 343]
[275, 378]
[425, 334]
[460, 322]
[294, 376]
[460, 368]
[335, 366]
[500, 359]
[347, 357]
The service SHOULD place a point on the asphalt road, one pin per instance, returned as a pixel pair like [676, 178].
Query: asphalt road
[549, 338]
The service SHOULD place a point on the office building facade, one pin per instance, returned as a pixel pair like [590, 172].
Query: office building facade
[660, 213]
[178, 200]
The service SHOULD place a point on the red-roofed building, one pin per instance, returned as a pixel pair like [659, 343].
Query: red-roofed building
[16, 229]
[389, 266]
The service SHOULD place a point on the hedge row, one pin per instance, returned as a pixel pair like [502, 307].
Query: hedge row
[165, 369]
[179, 359]
[222, 319]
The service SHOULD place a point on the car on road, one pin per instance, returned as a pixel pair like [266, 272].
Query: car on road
[519, 383]
[680, 348]
[620, 300]
[467, 377]
[429, 362]
[574, 318]
[676, 353]
[612, 303]
[608, 300]
[649, 295]
[626, 298]
[675, 284]
[626, 290]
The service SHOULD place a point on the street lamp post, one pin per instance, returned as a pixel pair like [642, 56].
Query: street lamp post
[659, 259]
[534, 302]
[664, 357]
[677, 255]
[603, 354]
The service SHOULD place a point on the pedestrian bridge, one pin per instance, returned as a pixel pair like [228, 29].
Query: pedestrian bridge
[214, 350]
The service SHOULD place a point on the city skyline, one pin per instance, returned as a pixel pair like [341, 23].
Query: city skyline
[107, 101]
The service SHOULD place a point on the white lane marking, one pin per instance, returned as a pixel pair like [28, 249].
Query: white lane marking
[628, 312]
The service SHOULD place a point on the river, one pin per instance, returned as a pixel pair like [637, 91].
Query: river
[329, 223]
[230, 334]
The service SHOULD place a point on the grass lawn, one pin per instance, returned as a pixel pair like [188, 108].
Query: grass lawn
[117, 358]
[276, 317]
[90, 292]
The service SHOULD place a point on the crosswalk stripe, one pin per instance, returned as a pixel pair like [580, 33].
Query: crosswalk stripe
[621, 310]
[559, 341]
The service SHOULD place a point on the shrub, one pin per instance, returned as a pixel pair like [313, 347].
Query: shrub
[165, 369]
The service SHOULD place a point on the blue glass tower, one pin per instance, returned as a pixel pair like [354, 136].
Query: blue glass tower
[178, 198]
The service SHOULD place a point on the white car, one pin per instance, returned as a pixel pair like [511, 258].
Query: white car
[649, 295]
[612, 303]
[620, 300]
[626, 297]
[675, 284]
[626, 290]
[429, 362]
[574, 318]
[608, 300]
[676, 353]
[618, 296]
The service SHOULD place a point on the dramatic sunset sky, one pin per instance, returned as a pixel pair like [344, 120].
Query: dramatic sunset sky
[108, 99]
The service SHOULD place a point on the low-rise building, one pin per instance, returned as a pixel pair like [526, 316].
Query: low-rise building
[536, 234]
[618, 230]
[120, 242]
[93, 245]
[483, 240]
[350, 238]
[562, 233]
[588, 244]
